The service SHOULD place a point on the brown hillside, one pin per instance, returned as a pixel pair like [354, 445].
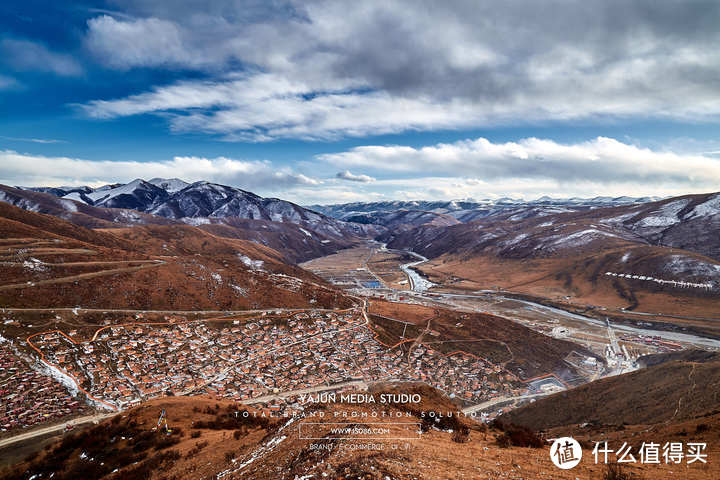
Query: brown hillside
[49, 262]
[209, 441]
[669, 392]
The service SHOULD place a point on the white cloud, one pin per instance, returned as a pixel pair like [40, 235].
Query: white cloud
[33, 140]
[34, 170]
[137, 42]
[535, 166]
[456, 65]
[347, 175]
[529, 168]
[26, 55]
[601, 160]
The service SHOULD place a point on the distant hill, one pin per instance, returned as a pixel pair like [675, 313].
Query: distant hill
[659, 256]
[465, 210]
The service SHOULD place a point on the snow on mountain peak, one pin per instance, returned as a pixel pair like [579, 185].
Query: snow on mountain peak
[170, 185]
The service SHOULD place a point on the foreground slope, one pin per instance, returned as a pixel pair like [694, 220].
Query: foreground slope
[222, 440]
[209, 441]
[670, 391]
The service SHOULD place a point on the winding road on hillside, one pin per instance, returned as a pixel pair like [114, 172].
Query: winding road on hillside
[97, 417]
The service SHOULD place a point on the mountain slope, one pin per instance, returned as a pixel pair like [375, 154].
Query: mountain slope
[176, 199]
[136, 195]
[49, 263]
[223, 440]
[670, 391]
[655, 257]
[686, 222]
[297, 241]
[472, 208]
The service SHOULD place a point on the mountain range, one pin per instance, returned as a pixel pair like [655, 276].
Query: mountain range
[470, 209]
[616, 252]
[299, 233]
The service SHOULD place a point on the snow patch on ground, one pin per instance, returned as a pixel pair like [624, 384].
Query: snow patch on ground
[69, 205]
[680, 264]
[249, 262]
[73, 196]
[60, 377]
[128, 216]
[582, 237]
[258, 453]
[34, 265]
[305, 232]
[619, 219]
[665, 216]
[196, 221]
[517, 239]
[241, 291]
[711, 207]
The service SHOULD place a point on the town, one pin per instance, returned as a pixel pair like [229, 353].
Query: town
[123, 365]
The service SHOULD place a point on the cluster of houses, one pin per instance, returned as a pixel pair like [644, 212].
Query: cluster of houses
[127, 364]
[30, 397]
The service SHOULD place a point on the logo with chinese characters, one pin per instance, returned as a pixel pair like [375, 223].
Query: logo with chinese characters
[565, 452]
[651, 452]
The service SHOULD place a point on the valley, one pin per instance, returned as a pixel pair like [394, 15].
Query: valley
[119, 316]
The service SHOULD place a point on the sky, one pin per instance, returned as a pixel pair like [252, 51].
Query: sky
[343, 101]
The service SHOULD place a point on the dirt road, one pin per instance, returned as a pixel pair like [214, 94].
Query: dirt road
[54, 428]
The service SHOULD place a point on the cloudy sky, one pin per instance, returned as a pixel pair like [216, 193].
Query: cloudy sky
[333, 101]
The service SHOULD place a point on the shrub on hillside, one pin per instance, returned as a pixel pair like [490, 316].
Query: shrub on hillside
[517, 436]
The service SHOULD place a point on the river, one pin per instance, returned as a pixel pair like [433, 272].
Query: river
[671, 336]
[418, 283]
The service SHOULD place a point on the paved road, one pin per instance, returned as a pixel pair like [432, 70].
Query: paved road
[54, 428]
[665, 334]
[495, 401]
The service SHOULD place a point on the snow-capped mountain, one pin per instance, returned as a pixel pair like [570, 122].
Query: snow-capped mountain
[199, 203]
[137, 195]
[170, 185]
[174, 198]
[690, 222]
[470, 209]
[205, 199]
